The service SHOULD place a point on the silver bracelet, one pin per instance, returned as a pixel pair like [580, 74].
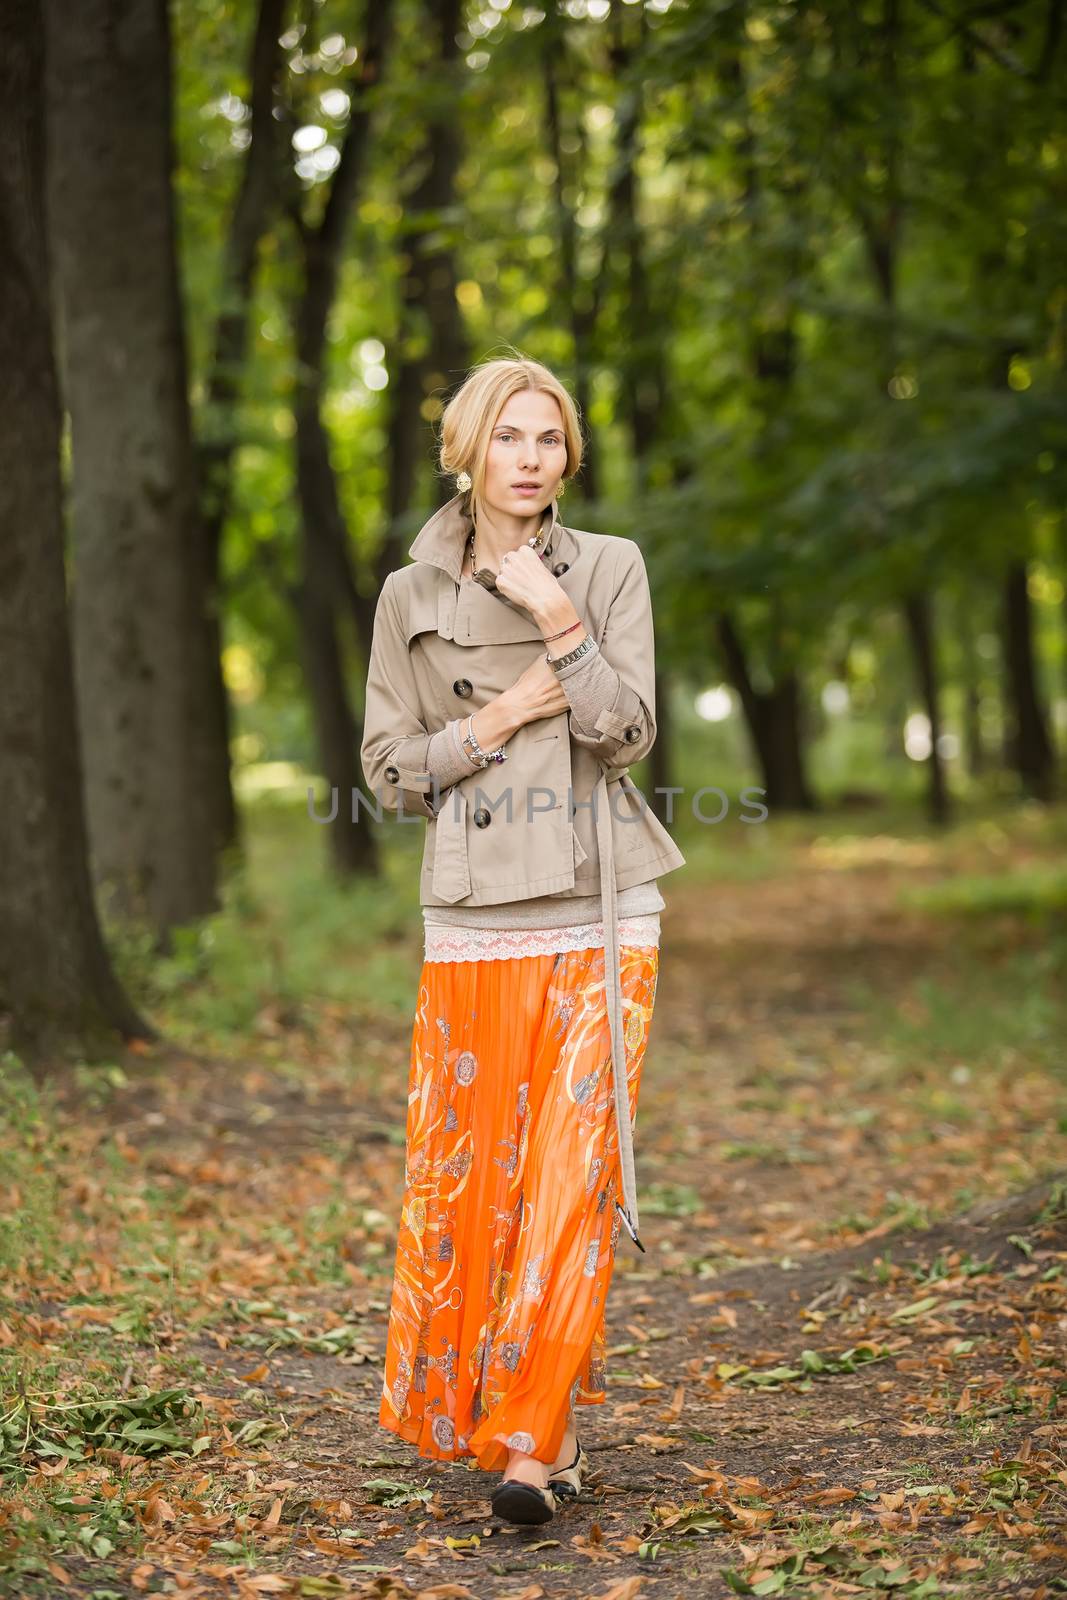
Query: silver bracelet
[480, 757]
[572, 655]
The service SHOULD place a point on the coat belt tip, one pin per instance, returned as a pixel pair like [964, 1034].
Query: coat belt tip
[628, 1225]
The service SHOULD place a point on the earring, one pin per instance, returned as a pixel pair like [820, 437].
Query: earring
[463, 482]
[561, 488]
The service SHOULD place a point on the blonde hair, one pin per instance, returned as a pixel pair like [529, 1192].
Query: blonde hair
[467, 420]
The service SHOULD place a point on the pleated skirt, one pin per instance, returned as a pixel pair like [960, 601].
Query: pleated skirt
[508, 1226]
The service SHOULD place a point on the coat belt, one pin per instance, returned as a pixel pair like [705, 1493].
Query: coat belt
[613, 998]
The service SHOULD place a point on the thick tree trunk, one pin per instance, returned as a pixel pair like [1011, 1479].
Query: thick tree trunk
[143, 628]
[58, 991]
[918, 616]
[1028, 737]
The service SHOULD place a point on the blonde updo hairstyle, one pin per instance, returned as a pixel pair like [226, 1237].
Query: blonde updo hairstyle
[467, 420]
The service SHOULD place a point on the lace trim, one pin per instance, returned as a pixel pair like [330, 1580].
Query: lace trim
[501, 944]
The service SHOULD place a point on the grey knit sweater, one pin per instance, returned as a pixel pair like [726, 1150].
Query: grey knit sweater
[590, 684]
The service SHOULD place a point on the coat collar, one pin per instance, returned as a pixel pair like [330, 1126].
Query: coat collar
[440, 540]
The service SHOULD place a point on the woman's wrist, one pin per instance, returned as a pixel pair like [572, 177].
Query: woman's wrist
[565, 622]
[559, 614]
[495, 723]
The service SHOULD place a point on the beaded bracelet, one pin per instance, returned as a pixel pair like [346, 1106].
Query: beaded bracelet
[480, 757]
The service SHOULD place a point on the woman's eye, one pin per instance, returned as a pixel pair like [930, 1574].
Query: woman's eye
[551, 439]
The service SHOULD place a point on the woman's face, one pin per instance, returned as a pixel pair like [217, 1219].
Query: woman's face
[527, 446]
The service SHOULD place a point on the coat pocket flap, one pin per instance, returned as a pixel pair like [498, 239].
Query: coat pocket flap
[451, 867]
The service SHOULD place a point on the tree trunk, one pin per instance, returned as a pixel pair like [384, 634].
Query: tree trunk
[773, 715]
[251, 212]
[974, 752]
[644, 391]
[57, 986]
[432, 354]
[142, 621]
[327, 584]
[581, 292]
[1028, 737]
[773, 720]
[659, 758]
[917, 614]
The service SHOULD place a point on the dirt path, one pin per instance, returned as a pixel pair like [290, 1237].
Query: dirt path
[807, 1391]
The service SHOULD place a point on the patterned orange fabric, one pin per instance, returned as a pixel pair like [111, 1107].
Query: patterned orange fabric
[508, 1230]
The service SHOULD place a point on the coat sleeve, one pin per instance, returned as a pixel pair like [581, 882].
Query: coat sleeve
[399, 765]
[615, 688]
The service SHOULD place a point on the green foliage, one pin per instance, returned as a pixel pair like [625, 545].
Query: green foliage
[36, 1427]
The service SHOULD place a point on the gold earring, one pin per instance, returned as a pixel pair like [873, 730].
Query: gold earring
[463, 482]
[561, 488]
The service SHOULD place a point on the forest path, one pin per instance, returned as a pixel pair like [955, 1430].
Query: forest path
[835, 1370]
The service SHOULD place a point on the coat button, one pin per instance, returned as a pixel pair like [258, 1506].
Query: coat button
[482, 817]
[392, 774]
[462, 686]
[560, 568]
[632, 735]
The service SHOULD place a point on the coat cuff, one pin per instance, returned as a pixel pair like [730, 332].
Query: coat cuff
[600, 702]
[446, 759]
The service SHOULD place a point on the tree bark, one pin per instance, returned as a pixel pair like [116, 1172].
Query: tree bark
[141, 592]
[432, 351]
[974, 750]
[773, 719]
[327, 582]
[58, 991]
[773, 715]
[644, 390]
[251, 213]
[1028, 737]
[919, 618]
[581, 292]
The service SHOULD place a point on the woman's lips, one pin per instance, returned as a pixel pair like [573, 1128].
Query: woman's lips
[520, 488]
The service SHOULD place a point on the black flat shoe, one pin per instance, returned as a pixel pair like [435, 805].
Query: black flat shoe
[566, 1483]
[523, 1503]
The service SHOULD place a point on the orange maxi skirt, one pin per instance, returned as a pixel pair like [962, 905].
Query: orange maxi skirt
[508, 1229]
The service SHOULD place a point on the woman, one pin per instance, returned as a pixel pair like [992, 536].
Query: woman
[541, 913]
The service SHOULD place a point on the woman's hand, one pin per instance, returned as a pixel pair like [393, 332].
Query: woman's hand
[537, 693]
[524, 578]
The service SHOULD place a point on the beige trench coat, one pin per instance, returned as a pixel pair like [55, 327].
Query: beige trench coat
[560, 815]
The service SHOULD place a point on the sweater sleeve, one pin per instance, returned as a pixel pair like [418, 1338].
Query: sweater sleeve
[611, 689]
[590, 685]
[446, 759]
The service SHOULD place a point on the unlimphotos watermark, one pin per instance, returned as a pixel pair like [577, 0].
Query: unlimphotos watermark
[708, 804]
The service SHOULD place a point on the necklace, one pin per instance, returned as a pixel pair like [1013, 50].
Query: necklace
[486, 577]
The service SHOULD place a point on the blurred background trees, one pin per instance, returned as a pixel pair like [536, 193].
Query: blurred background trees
[803, 268]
